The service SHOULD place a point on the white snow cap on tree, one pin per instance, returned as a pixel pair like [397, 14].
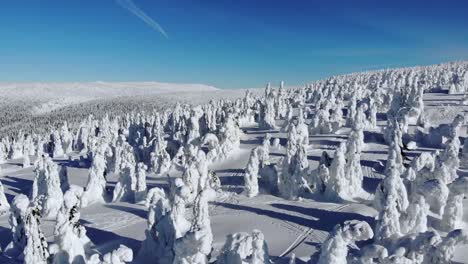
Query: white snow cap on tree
[336, 184]
[36, 250]
[251, 173]
[159, 236]
[444, 251]
[121, 255]
[353, 173]
[335, 247]
[18, 213]
[452, 217]
[196, 245]
[125, 188]
[4, 205]
[70, 236]
[46, 189]
[140, 188]
[95, 190]
[244, 248]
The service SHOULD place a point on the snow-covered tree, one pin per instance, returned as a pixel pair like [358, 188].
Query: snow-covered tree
[252, 173]
[159, 234]
[335, 248]
[95, 190]
[126, 185]
[336, 184]
[19, 211]
[140, 187]
[70, 236]
[196, 245]
[121, 255]
[46, 189]
[444, 251]
[244, 248]
[36, 250]
[4, 205]
[452, 217]
[353, 173]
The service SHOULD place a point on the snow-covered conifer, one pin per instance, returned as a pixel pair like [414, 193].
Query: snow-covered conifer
[452, 217]
[70, 236]
[196, 245]
[46, 189]
[121, 255]
[335, 247]
[36, 250]
[251, 173]
[95, 190]
[125, 188]
[444, 251]
[4, 205]
[336, 183]
[140, 188]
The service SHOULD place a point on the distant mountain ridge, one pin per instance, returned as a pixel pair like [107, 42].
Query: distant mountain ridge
[49, 90]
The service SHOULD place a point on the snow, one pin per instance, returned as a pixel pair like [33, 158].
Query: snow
[251, 180]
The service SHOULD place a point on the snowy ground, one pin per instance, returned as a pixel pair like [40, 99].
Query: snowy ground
[289, 226]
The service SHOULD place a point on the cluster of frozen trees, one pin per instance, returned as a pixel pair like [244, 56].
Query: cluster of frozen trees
[405, 198]
[189, 138]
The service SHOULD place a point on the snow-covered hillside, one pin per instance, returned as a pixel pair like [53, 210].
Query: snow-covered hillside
[362, 168]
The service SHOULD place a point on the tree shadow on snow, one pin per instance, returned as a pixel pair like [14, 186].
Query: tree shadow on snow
[5, 234]
[375, 137]
[98, 237]
[17, 185]
[327, 220]
[132, 210]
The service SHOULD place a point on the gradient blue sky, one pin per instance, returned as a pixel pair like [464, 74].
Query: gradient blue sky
[228, 44]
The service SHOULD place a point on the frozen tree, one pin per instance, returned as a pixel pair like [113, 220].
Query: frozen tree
[236, 249]
[244, 248]
[95, 190]
[36, 250]
[371, 252]
[452, 217]
[336, 184]
[265, 151]
[415, 218]
[57, 144]
[46, 189]
[4, 205]
[196, 245]
[229, 138]
[70, 236]
[335, 247]
[26, 160]
[353, 173]
[66, 138]
[260, 254]
[121, 255]
[125, 188]
[158, 232]
[251, 173]
[140, 188]
[194, 125]
[19, 211]
[391, 186]
[292, 167]
[388, 222]
[444, 251]
[267, 110]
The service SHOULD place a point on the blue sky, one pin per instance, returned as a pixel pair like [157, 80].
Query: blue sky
[228, 44]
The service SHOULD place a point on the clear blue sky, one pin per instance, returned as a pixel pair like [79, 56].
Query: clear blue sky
[229, 44]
